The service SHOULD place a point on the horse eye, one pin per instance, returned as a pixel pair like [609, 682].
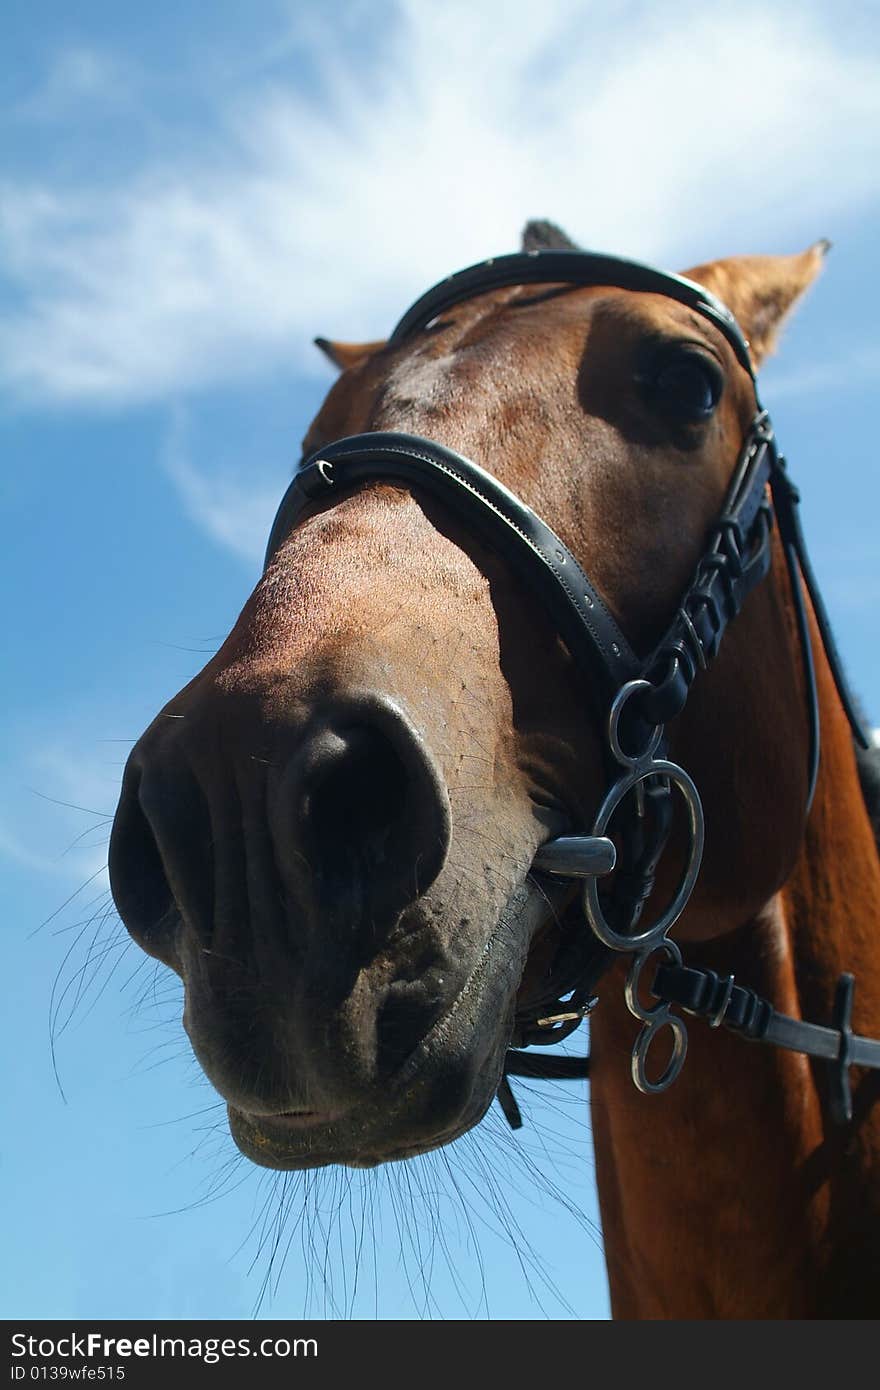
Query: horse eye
[686, 385]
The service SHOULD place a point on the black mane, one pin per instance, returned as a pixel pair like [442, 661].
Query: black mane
[868, 763]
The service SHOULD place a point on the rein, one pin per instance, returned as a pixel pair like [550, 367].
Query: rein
[641, 694]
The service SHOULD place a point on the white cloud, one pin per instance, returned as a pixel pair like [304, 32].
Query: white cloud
[12, 847]
[75, 76]
[670, 134]
[228, 506]
[852, 370]
[59, 806]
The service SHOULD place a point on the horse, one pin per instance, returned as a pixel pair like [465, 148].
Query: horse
[466, 738]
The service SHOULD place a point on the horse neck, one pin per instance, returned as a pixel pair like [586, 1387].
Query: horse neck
[733, 1194]
[831, 899]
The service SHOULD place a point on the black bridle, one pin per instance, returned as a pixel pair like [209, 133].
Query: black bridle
[641, 693]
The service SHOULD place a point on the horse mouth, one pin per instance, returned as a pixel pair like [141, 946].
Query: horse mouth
[442, 1088]
[430, 1100]
[318, 1140]
[288, 1139]
[293, 1121]
[426, 1105]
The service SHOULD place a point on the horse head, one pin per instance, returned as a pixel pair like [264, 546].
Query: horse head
[330, 834]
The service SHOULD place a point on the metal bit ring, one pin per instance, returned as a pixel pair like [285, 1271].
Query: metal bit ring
[640, 1054]
[654, 1018]
[653, 935]
[632, 761]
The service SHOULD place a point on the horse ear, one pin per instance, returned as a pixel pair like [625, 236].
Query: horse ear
[761, 290]
[345, 355]
[546, 236]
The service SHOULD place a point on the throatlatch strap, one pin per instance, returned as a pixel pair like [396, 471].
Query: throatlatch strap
[785, 500]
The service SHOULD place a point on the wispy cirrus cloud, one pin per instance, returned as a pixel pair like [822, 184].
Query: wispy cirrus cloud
[227, 505]
[77, 77]
[58, 807]
[852, 369]
[326, 203]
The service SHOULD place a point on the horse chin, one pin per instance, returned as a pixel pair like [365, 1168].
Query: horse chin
[442, 1089]
[440, 1094]
[361, 1138]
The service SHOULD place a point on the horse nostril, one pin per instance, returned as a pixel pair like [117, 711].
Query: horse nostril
[138, 880]
[161, 856]
[355, 796]
[365, 807]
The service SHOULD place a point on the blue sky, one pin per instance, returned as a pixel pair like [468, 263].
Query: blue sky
[187, 196]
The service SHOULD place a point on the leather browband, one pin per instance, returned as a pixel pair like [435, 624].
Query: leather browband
[581, 268]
